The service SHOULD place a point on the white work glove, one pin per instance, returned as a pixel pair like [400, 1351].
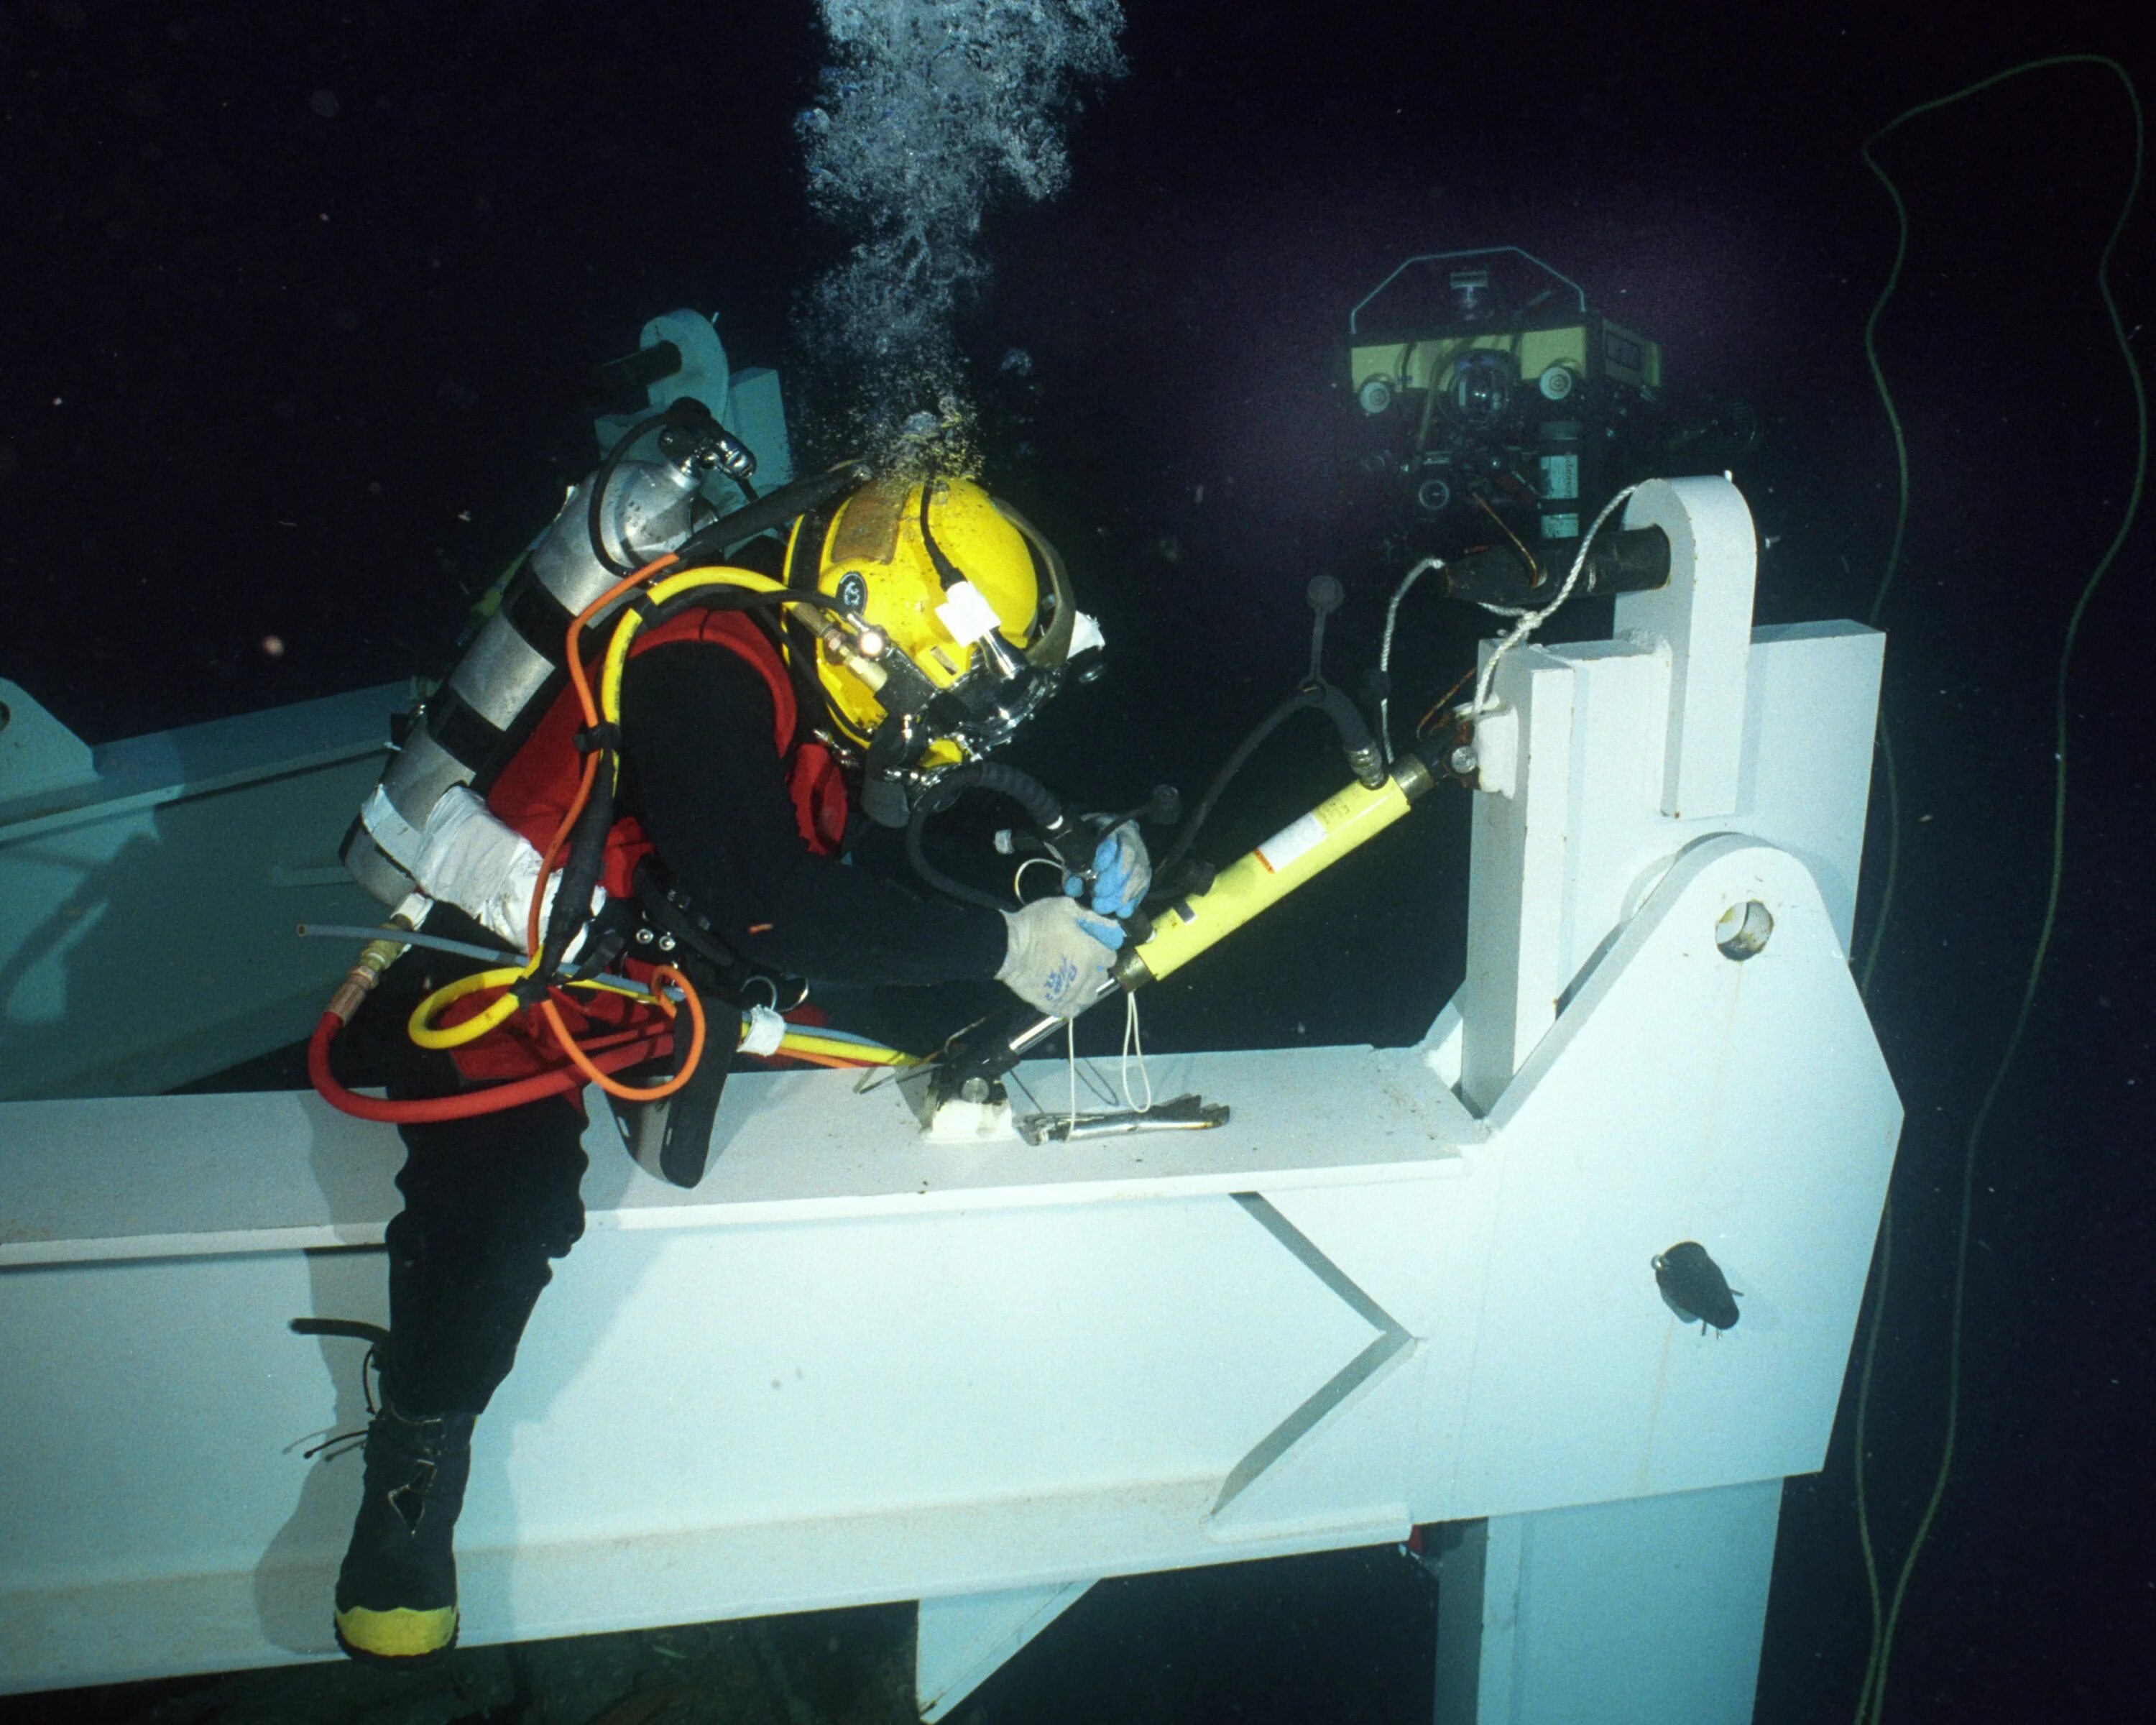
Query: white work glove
[1059, 956]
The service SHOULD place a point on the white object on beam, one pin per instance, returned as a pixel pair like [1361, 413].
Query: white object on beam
[959, 1644]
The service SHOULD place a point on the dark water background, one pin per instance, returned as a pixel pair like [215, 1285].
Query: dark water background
[280, 364]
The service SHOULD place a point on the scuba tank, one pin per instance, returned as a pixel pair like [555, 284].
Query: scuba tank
[465, 731]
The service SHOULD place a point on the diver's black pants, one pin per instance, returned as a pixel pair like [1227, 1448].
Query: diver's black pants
[488, 1204]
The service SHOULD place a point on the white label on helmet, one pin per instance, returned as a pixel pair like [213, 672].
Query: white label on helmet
[1086, 636]
[1296, 839]
[965, 615]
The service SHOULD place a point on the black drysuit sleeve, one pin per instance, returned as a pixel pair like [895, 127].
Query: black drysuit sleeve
[711, 793]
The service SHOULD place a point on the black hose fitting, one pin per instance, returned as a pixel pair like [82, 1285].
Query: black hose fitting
[1365, 759]
[580, 875]
[774, 509]
[1632, 560]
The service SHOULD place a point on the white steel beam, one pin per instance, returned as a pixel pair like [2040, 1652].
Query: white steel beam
[861, 1368]
[961, 1643]
[1636, 1612]
[149, 890]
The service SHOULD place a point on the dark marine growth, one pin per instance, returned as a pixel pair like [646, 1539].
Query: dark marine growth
[1694, 1288]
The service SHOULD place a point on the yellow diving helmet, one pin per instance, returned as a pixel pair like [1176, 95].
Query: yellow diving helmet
[955, 620]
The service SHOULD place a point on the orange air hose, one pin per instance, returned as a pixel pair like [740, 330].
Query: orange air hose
[417, 1110]
[574, 659]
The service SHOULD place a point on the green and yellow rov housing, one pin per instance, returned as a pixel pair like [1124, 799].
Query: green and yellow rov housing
[1494, 405]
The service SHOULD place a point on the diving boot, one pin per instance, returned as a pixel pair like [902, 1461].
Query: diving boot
[397, 1592]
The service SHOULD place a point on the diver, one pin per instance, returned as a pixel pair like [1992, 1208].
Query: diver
[745, 742]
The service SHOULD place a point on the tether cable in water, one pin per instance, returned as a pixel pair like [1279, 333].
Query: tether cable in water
[1871, 1705]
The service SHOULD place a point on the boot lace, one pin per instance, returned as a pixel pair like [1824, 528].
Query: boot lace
[343, 1443]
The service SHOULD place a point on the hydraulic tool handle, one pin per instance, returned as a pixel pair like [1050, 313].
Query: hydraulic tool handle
[1305, 848]
[1343, 823]
[999, 1053]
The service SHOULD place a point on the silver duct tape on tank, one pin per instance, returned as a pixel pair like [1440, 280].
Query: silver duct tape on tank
[465, 731]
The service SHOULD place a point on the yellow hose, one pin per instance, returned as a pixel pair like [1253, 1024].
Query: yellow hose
[421, 1023]
[632, 622]
[862, 1054]
[427, 1035]
[422, 1026]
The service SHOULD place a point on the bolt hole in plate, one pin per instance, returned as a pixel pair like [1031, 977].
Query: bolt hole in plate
[1742, 930]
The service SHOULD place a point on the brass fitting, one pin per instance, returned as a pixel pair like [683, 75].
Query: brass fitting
[375, 958]
[841, 651]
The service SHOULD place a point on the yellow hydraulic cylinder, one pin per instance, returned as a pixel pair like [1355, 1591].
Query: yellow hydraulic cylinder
[1344, 822]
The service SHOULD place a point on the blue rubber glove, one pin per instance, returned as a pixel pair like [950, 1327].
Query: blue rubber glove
[1058, 955]
[1122, 872]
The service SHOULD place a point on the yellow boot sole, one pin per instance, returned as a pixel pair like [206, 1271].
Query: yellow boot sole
[397, 1636]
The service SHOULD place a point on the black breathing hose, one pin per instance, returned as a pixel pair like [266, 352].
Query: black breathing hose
[775, 509]
[735, 599]
[1039, 802]
[581, 872]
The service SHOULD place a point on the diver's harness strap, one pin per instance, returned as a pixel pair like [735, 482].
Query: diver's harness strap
[720, 971]
[672, 1138]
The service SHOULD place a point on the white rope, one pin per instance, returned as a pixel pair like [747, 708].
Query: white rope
[1530, 621]
[1385, 651]
[1017, 879]
[1133, 1039]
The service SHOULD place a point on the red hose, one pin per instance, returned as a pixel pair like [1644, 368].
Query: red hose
[491, 1100]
